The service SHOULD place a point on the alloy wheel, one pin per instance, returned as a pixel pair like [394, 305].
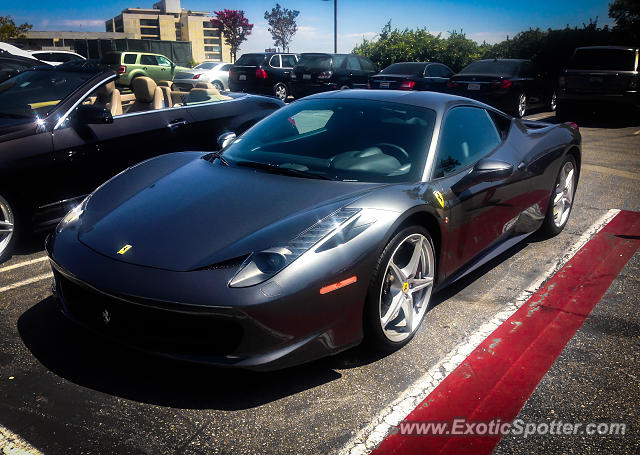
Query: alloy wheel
[563, 197]
[218, 86]
[406, 287]
[522, 105]
[7, 221]
[554, 103]
[281, 91]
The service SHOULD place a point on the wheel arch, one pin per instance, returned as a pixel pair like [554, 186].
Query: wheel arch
[574, 151]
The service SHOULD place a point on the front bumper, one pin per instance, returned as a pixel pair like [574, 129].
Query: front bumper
[195, 316]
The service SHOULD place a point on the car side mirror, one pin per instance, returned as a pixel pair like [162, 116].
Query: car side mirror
[225, 139]
[485, 170]
[88, 114]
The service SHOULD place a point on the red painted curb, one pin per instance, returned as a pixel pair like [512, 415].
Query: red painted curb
[498, 377]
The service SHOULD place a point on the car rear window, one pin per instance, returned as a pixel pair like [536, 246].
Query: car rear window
[404, 68]
[316, 61]
[501, 67]
[206, 66]
[603, 59]
[111, 58]
[250, 60]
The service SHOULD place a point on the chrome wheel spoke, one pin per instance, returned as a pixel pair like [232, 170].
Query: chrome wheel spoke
[6, 227]
[407, 309]
[394, 308]
[397, 271]
[419, 284]
[411, 269]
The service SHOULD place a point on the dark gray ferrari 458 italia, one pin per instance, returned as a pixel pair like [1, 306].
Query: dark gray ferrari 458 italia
[331, 221]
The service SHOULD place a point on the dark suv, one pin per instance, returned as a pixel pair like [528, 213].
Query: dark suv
[599, 75]
[263, 73]
[317, 73]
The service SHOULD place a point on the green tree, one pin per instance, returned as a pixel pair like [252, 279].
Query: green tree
[626, 13]
[9, 29]
[282, 25]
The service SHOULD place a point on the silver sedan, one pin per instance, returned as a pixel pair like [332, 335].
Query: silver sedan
[215, 72]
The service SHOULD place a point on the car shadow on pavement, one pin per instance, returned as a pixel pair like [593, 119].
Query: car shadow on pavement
[92, 362]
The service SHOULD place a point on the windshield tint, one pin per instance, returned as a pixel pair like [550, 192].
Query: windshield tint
[250, 60]
[603, 59]
[316, 61]
[346, 139]
[404, 68]
[205, 66]
[36, 92]
[492, 67]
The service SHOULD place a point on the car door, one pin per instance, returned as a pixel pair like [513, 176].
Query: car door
[165, 68]
[479, 211]
[86, 155]
[358, 77]
[287, 62]
[150, 66]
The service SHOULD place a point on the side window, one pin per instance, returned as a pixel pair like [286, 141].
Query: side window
[275, 61]
[447, 71]
[366, 64]
[288, 61]
[468, 134]
[353, 63]
[130, 58]
[163, 61]
[225, 67]
[148, 60]
[431, 71]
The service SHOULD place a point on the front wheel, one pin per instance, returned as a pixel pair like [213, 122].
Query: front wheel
[281, 91]
[8, 234]
[400, 292]
[521, 105]
[218, 85]
[561, 201]
[553, 102]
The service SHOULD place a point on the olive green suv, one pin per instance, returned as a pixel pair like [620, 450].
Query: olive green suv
[130, 65]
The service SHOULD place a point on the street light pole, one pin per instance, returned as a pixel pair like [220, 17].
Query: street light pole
[335, 25]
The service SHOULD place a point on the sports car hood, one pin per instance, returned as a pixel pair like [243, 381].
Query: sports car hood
[194, 213]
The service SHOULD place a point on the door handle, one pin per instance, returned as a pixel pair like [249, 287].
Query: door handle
[144, 67]
[176, 124]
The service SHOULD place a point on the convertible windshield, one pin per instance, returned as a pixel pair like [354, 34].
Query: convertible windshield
[345, 139]
[36, 92]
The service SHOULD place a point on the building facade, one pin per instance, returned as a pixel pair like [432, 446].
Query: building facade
[168, 21]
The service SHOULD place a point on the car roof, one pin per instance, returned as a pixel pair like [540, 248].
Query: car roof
[53, 50]
[622, 48]
[430, 100]
[515, 60]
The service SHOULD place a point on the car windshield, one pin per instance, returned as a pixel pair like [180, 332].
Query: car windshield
[316, 61]
[206, 66]
[250, 60]
[502, 67]
[404, 68]
[35, 93]
[341, 139]
[603, 59]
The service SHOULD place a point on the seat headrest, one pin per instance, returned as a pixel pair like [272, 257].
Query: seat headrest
[144, 88]
[207, 85]
[106, 89]
[165, 84]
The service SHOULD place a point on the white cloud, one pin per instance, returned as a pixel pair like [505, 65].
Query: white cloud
[77, 24]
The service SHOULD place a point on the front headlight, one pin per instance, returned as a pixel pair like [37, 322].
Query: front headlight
[262, 265]
[73, 215]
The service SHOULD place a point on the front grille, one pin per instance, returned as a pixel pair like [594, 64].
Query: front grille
[154, 329]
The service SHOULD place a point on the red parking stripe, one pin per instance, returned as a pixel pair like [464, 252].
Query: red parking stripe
[498, 377]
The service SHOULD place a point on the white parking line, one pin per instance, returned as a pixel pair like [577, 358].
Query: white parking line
[375, 432]
[12, 444]
[23, 264]
[26, 282]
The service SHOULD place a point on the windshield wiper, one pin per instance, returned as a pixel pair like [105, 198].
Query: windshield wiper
[282, 170]
[211, 157]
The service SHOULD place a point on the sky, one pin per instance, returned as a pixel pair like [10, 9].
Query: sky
[481, 20]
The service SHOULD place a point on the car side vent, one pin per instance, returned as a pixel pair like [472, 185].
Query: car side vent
[228, 264]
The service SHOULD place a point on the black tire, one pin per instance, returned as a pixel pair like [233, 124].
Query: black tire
[218, 85]
[549, 227]
[281, 91]
[7, 247]
[374, 336]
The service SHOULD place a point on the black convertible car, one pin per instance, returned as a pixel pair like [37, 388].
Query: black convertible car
[332, 219]
[66, 129]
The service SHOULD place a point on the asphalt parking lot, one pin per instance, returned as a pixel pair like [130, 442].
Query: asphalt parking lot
[65, 391]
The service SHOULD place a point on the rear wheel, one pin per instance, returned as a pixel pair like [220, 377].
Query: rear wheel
[281, 91]
[400, 291]
[8, 233]
[553, 102]
[218, 85]
[561, 200]
[521, 105]
[345, 87]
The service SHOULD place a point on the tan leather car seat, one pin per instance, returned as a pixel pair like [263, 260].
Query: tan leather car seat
[166, 96]
[148, 95]
[109, 96]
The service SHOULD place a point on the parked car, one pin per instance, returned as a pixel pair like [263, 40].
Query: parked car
[413, 76]
[316, 72]
[14, 50]
[217, 73]
[130, 65]
[265, 73]
[172, 258]
[57, 57]
[512, 85]
[599, 75]
[66, 129]
[10, 65]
